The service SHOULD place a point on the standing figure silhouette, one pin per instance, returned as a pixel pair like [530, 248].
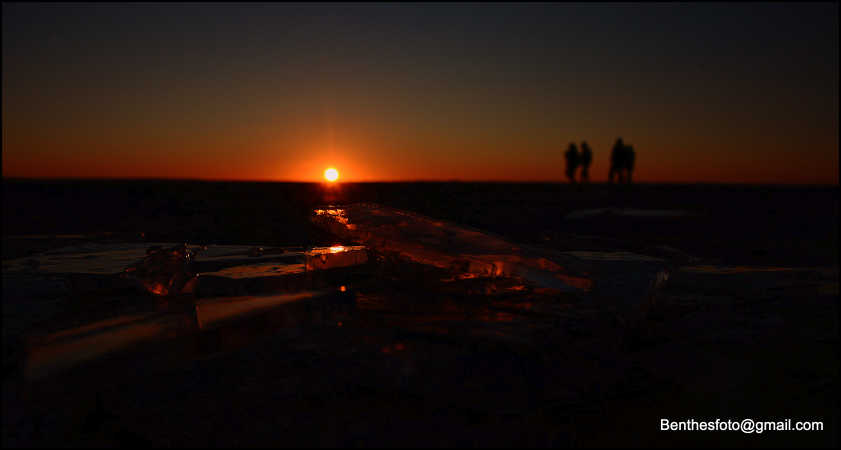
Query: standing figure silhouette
[616, 161]
[585, 158]
[572, 161]
[630, 156]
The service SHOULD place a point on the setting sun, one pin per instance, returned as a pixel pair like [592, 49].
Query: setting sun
[331, 174]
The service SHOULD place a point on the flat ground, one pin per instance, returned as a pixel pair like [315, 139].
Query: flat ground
[747, 326]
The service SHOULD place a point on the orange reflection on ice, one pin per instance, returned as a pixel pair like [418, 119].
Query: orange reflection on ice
[318, 258]
[158, 289]
[336, 214]
[465, 252]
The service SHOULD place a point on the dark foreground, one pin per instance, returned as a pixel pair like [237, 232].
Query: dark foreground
[747, 326]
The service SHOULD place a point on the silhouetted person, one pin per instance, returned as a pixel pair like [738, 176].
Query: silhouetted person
[630, 156]
[572, 161]
[621, 162]
[616, 161]
[585, 158]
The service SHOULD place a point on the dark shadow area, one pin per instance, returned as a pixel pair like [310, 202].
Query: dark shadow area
[408, 348]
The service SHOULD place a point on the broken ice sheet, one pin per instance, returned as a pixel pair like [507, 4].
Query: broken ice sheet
[626, 281]
[441, 244]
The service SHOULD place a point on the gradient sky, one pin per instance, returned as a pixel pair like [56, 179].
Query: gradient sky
[705, 92]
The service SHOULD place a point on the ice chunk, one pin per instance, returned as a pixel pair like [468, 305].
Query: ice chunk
[168, 269]
[286, 271]
[320, 258]
[462, 250]
[104, 267]
[88, 258]
[87, 267]
[257, 270]
[183, 269]
[163, 271]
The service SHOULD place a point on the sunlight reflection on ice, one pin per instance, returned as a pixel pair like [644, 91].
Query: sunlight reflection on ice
[464, 251]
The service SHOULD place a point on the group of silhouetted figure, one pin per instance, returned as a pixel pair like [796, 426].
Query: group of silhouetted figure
[621, 162]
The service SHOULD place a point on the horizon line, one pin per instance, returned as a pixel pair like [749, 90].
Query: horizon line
[490, 181]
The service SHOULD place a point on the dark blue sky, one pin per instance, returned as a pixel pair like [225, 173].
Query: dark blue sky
[705, 92]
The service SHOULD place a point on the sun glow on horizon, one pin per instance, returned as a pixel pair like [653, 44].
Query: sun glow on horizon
[331, 174]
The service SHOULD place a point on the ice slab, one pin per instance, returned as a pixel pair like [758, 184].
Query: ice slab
[314, 268]
[321, 258]
[463, 251]
[90, 258]
[168, 269]
[112, 258]
[266, 269]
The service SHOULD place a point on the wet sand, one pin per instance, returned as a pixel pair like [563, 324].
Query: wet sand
[746, 327]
